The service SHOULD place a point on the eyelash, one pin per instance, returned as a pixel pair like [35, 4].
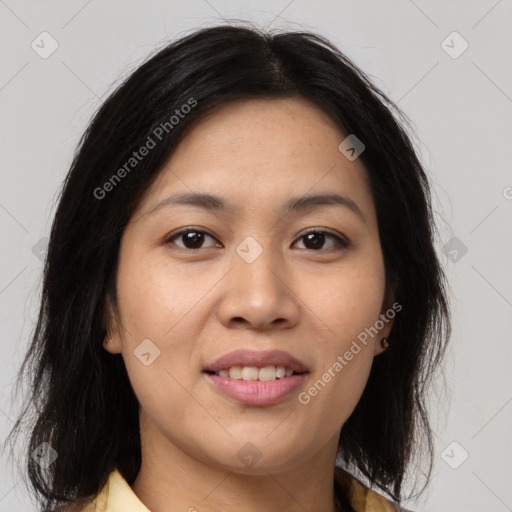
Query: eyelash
[341, 243]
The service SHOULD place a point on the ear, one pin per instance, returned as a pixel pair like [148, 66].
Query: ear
[386, 319]
[112, 341]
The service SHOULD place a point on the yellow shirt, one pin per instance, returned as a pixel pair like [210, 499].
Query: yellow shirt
[118, 496]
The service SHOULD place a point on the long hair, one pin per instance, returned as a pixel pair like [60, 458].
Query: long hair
[85, 407]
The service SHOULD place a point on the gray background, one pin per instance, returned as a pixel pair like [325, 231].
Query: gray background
[461, 108]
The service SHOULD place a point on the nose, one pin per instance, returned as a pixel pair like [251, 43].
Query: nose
[259, 295]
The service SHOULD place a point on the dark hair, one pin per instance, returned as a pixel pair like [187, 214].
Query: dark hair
[86, 408]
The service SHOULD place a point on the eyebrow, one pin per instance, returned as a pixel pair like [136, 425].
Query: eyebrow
[293, 205]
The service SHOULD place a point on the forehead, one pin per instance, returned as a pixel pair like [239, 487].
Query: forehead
[260, 153]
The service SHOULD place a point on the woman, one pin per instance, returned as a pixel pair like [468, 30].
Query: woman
[242, 303]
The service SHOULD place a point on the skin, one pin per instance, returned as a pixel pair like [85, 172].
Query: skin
[198, 304]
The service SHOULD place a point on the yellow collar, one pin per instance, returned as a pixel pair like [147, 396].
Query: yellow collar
[118, 496]
[364, 499]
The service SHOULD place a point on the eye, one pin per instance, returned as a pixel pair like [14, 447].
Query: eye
[316, 237]
[192, 238]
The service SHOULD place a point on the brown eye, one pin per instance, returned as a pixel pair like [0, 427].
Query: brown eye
[191, 238]
[315, 240]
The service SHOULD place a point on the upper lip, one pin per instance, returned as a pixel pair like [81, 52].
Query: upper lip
[259, 359]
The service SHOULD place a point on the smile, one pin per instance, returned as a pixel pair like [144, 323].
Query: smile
[256, 392]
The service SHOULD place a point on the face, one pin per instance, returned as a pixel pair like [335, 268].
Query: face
[251, 276]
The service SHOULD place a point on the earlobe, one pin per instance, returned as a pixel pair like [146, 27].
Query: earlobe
[111, 342]
[386, 320]
[107, 342]
[111, 346]
[382, 346]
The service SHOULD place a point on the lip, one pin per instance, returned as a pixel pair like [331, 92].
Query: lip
[257, 392]
[259, 359]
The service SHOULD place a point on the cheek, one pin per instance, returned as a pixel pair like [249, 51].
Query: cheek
[350, 299]
[348, 306]
[335, 388]
[155, 348]
[154, 296]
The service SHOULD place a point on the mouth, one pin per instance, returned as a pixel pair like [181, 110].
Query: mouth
[256, 365]
[257, 378]
[253, 373]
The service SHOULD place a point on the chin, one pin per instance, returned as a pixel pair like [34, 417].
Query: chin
[257, 456]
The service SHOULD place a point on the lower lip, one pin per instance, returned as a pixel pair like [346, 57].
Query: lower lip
[254, 392]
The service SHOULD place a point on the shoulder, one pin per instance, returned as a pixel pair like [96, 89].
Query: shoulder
[364, 499]
[78, 506]
[115, 496]
[97, 503]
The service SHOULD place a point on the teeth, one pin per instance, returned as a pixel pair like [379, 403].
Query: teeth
[281, 372]
[235, 372]
[252, 373]
[267, 373]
